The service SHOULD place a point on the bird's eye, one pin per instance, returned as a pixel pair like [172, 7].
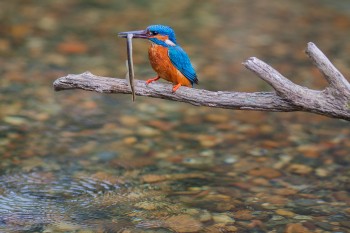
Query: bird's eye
[153, 33]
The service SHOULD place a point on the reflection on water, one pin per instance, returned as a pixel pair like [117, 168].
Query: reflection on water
[85, 162]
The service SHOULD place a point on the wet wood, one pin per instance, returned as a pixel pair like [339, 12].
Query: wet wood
[334, 101]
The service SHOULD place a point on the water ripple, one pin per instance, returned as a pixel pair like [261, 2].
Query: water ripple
[41, 198]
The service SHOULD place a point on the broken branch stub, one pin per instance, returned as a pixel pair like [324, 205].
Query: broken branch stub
[334, 101]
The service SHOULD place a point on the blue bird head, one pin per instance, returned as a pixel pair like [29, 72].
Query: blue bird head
[163, 31]
[155, 33]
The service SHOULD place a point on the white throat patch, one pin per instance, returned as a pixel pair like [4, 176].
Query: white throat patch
[170, 43]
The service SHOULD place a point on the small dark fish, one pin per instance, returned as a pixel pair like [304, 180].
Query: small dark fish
[129, 65]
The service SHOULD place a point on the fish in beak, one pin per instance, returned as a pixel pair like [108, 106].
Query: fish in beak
[143, 34]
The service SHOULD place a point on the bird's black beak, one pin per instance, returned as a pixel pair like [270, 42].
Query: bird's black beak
[136, 34]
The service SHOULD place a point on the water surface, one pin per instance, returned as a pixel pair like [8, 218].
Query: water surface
[77, 161]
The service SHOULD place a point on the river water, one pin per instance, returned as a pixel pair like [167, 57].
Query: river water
[77, 161]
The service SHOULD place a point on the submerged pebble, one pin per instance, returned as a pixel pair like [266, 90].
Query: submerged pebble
[183, 223]
[285, 213]
[223, 218]
[296, 228]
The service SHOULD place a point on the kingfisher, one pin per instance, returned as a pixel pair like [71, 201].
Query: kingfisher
[166, 56]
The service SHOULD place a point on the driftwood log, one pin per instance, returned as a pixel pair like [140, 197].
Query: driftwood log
[333, 101]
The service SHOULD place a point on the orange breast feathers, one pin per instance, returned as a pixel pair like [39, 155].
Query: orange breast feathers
[161, 64]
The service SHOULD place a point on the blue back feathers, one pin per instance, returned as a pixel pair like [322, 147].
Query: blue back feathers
[177, 55]
[182, 62]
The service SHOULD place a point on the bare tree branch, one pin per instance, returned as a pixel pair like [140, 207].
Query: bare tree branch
[261, 101]
[334, 101]
[283, 86]
[335, 79]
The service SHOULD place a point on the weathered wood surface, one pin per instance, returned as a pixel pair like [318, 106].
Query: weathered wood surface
[333, 101]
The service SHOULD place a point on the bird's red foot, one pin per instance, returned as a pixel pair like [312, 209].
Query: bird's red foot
[152, 80]
[176, 87]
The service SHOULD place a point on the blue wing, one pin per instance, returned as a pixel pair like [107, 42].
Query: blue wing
[181, 61]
